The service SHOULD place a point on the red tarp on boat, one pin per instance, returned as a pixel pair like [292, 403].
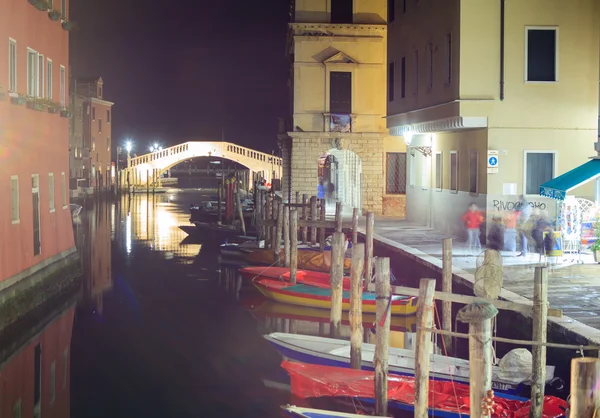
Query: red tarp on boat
[312, 381]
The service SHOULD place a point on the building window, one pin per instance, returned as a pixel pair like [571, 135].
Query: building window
[14, 193]
[474, 172]
[340, 92]
[41, 67]
[391, 10]
[63, 8]
[416, 86]
[541, 62]
[63, 87]
[64, 189]
[17, 409]
[37, 376]
[100, 91]
[391, 69]
[454, 171]
[429, 51]
[107, 116]
[52, 382]
[100, 125]
[396, 173]
[439, 174]
[51, 190]
[107, 144]
[448, 51]
[32, 73]
[64, 370]
[49, 79]
[341, 11]
[93, 113]
[403, 78]
[12, 65]
[539, 170]
[411, 172]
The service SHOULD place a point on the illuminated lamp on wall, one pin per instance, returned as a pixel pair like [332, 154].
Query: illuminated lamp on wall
[425, 150]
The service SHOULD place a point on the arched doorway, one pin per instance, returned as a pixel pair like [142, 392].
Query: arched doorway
[341, 174]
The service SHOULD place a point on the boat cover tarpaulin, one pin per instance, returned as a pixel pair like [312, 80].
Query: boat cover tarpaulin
[313, 381]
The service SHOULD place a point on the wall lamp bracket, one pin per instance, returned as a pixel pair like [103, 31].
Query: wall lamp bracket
[426, 151]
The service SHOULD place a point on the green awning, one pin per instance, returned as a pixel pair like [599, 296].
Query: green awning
[558, 187]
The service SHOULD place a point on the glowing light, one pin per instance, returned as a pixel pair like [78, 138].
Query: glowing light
[408, 137]
[128, 146]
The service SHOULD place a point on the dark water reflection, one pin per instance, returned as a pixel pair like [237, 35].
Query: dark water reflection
[159, 328]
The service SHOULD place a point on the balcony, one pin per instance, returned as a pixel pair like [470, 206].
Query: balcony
[339, 122]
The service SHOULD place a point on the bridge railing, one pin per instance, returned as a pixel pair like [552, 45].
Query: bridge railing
[222, 149]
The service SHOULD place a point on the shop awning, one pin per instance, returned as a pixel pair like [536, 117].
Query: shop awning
[558, 187]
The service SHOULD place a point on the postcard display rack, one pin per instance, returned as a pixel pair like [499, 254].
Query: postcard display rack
[576, 219]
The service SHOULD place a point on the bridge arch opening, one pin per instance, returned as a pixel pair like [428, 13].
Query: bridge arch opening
[340, 173]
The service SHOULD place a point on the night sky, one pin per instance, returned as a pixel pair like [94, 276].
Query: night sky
[181, 69]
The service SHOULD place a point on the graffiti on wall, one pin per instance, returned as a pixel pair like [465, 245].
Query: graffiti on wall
[501, 205]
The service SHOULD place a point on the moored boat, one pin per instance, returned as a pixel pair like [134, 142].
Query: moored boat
[307, 277]
[334, 352]
[316, 297]
[296, 411]
[308, 259]
[446, 399]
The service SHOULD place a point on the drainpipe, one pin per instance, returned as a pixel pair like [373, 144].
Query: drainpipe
[502, 15]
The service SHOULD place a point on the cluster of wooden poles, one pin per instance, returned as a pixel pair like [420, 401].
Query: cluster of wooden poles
[293, 220]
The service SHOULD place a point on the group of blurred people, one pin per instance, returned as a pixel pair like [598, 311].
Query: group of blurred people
[524, 222]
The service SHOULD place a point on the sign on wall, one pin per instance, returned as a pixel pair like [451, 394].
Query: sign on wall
[492, 161]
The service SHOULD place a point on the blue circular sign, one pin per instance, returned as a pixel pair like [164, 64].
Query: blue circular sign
[493, 161]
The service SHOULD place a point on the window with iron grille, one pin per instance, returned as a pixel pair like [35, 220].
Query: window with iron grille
[396, 173]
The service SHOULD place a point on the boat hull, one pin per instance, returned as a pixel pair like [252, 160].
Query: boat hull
[294, 411]
[286, 293]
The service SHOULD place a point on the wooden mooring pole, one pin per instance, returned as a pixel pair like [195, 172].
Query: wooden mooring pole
[278, 233]
[322, 229]
[585, 396]
[220, 203]
[336, 281]
[338, 217]
[423, 348]
[313, 217]
[238, 203]
[479, 317]
[540, 327]
[286, 234]
[267, 216]
[369, 247]
[447, 287]
[354, 226]
[293, 245]
[382, 333]
[355, 315]
[304, 216]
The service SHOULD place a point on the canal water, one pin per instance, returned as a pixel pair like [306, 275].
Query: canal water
[162, 327]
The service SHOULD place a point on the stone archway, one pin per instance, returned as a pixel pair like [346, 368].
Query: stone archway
[340, 170]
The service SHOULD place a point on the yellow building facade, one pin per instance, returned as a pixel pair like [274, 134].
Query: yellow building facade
[337, 131]
[494, 98]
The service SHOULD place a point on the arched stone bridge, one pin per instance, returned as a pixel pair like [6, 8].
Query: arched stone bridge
[150, 166]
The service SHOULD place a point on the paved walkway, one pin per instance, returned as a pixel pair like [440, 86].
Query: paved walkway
[573, 287]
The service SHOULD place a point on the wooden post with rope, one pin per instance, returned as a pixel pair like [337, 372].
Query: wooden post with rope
[304, 212]
[354, 226]
[585, 397]
[479, 317]
[293, 245]
[286, 234]
[540, 327]
[322, 229]
[369, 247]
[447, 287]
[355, 314]
[422, 362]
[382, 333]
[336, 281]
[313, 217]
[338, 217]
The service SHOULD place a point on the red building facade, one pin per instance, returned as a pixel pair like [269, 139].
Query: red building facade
[35, 220]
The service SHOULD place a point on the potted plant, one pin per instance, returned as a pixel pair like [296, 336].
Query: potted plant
[52, 107]
[17, 99]
[67, 25]
[35, 104]
[595, 247]
[64, 113]
[54, 15]
[41, 5]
